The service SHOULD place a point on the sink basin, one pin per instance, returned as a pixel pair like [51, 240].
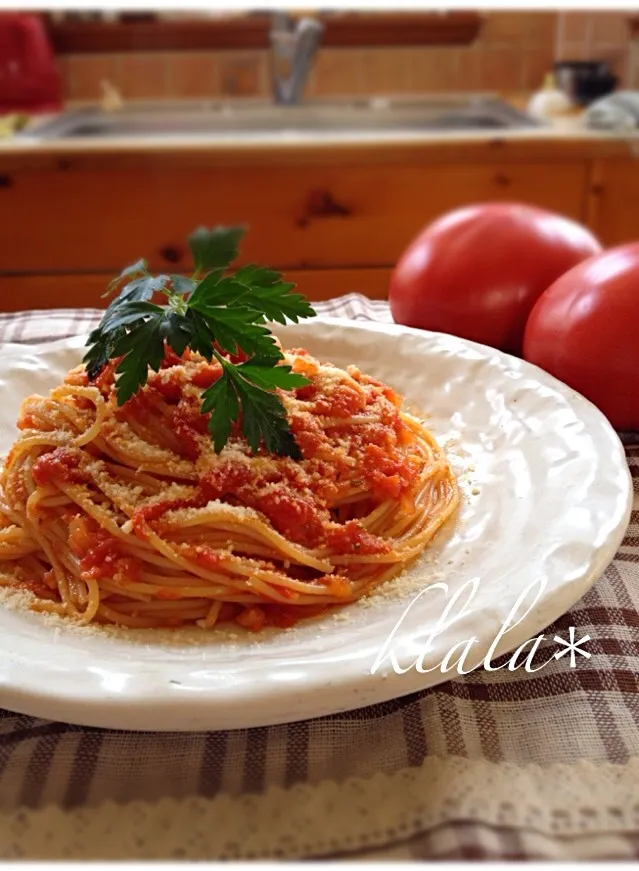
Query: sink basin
[211, 120]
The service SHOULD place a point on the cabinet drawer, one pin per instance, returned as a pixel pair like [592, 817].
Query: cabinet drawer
[99, 220]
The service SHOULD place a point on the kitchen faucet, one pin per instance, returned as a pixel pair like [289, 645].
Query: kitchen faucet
[293, 50]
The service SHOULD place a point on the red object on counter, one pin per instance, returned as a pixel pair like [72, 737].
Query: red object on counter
[583, 330]
[29, 80]
[477, 271]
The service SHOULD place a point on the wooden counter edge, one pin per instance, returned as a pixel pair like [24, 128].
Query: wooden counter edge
[434, 149]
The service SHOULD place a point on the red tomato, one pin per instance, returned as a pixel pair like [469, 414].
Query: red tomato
[476, 272]
[584, 330]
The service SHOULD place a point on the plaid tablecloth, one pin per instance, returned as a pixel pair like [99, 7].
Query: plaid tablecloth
[493, 765]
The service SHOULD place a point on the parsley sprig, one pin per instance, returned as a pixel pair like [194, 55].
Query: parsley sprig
[216, 315]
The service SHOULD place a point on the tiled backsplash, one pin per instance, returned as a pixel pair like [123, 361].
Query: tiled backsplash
[157, 75]
[597, 36]
[513, 52]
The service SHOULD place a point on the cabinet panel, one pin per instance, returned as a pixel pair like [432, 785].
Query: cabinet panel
[614, 201]
[21, 292]
[98, 220]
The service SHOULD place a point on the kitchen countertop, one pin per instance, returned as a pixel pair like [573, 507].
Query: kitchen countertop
[564, 137]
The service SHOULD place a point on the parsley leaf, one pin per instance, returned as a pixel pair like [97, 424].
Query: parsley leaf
[136, 270]
[222, 401]
[176, 330]
[238, 329]
[143, 348]
[182, 284]
[101, 351]
[263, 415]
[261, 290]
[206, 292]
[216, 247]
[202, 339]
[264, 420]
[262, 373]
[128, 313]
[213, 315]
[264, 290]
[104, 338]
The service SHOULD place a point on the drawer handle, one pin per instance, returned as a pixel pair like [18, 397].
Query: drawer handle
[172, 253]
[5, 181]
[322, 204]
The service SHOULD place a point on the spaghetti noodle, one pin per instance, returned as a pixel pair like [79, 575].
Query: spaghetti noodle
[126, 515]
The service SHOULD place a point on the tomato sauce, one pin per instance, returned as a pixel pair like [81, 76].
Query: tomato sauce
[143, 405]
[188, 424]
[295, 515]
[343, 401]
[309, 434]
[338, 586]
[26, 421]
[252, 618]
[170, 389]
[206, 557]
[389, 473]
[292, 595]
[170, 358]
[147, 514]
[106, 378]
[79, 378]
[352, 537]
[169, 594]
[224, 479]
[286, 616]
[38, 588]
[206, 375]
[62, 464]
[101, 555]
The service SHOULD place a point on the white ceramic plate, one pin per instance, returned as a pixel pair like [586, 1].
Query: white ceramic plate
[546, 499]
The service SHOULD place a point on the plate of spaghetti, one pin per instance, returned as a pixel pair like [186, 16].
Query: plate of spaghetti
[157, 575]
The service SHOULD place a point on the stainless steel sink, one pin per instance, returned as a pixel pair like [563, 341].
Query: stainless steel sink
[210, 120]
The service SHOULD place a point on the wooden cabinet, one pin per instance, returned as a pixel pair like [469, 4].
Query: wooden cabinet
[614, 200]
[84, 290]
[335, 220]
[298, 217]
